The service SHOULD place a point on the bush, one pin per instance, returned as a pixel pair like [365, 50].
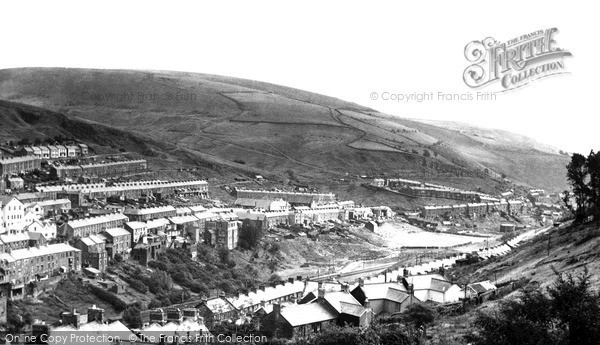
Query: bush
[568, 314]
[132, 317]
[108, 297]
[154, 303]
[136, 284]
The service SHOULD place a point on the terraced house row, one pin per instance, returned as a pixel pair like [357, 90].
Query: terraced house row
[294, 198]
[99, 169]
[416, 189]
[82, 195]
[54, 151]
[34, 264]
[474, 210]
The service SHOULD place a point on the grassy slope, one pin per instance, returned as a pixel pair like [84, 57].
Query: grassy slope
[571, 248]
[270, 127]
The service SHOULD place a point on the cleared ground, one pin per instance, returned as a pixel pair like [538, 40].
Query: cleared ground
[399, 234]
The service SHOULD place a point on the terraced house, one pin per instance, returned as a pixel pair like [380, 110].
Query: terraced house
[118, 242]
[93, 252]
[22, 266]
[222, 233]
[91, 226]
[149, 213]
[99, 169]
[83, 194]
[18, 165]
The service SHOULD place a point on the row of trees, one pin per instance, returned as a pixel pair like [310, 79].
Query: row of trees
[583, 173]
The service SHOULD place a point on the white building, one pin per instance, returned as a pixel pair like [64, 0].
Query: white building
[12, 213]
[47, 228]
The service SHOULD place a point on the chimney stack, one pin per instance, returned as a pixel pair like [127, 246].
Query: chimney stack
[361, 282]
[95, 314]
[72, 318]
[190, 314]
[158, 316]
[174, 315]
[38, 328]
[321, 292]
[367, 304]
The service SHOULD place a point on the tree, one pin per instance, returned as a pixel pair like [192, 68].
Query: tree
[569, 314]
[132, 317]
[223, 255]
[335, 335]
[426, 153]
[593, 168]
[577, 308]
[577, 174]
[274, 248]
[275, 278]
[526, 321]
[161, 281]
[250, 234]
[420, 315]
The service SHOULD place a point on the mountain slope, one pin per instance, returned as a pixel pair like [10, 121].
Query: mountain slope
[274, 128]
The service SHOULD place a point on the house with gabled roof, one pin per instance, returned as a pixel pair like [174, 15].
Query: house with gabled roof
[432, 287]
[118, 241]
[93, 251]
[216, 310]
[383, 298]
[480, 289]
[313, 315]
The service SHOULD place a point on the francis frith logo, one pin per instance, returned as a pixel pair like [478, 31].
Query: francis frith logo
[516, 62]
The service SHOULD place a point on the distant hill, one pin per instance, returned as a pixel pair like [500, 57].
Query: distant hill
[268, 128]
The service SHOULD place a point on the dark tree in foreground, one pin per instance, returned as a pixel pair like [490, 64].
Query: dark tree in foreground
[132, 317]
[345, 335]
[420, 315]
[249, 235]
[584, 176]
[569, 314]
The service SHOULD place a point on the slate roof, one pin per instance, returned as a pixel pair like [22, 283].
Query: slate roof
[335, 299]
[305, 314]
[352, 309]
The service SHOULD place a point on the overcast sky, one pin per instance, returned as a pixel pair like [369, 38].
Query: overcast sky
[343, 49]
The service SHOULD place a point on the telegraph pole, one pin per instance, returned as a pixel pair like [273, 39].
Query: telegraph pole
[465, 299]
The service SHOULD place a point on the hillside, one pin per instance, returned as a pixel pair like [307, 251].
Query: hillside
[23, 121]
[563, 250]
[272, 129]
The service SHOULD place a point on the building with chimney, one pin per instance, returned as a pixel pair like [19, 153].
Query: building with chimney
[93, 252]
[222, 233]
[314, 313]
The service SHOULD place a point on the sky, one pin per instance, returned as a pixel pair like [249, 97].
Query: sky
[355, 51]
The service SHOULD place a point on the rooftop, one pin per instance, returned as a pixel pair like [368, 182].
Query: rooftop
[304, 314]
[31, 252]
[77, 223]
